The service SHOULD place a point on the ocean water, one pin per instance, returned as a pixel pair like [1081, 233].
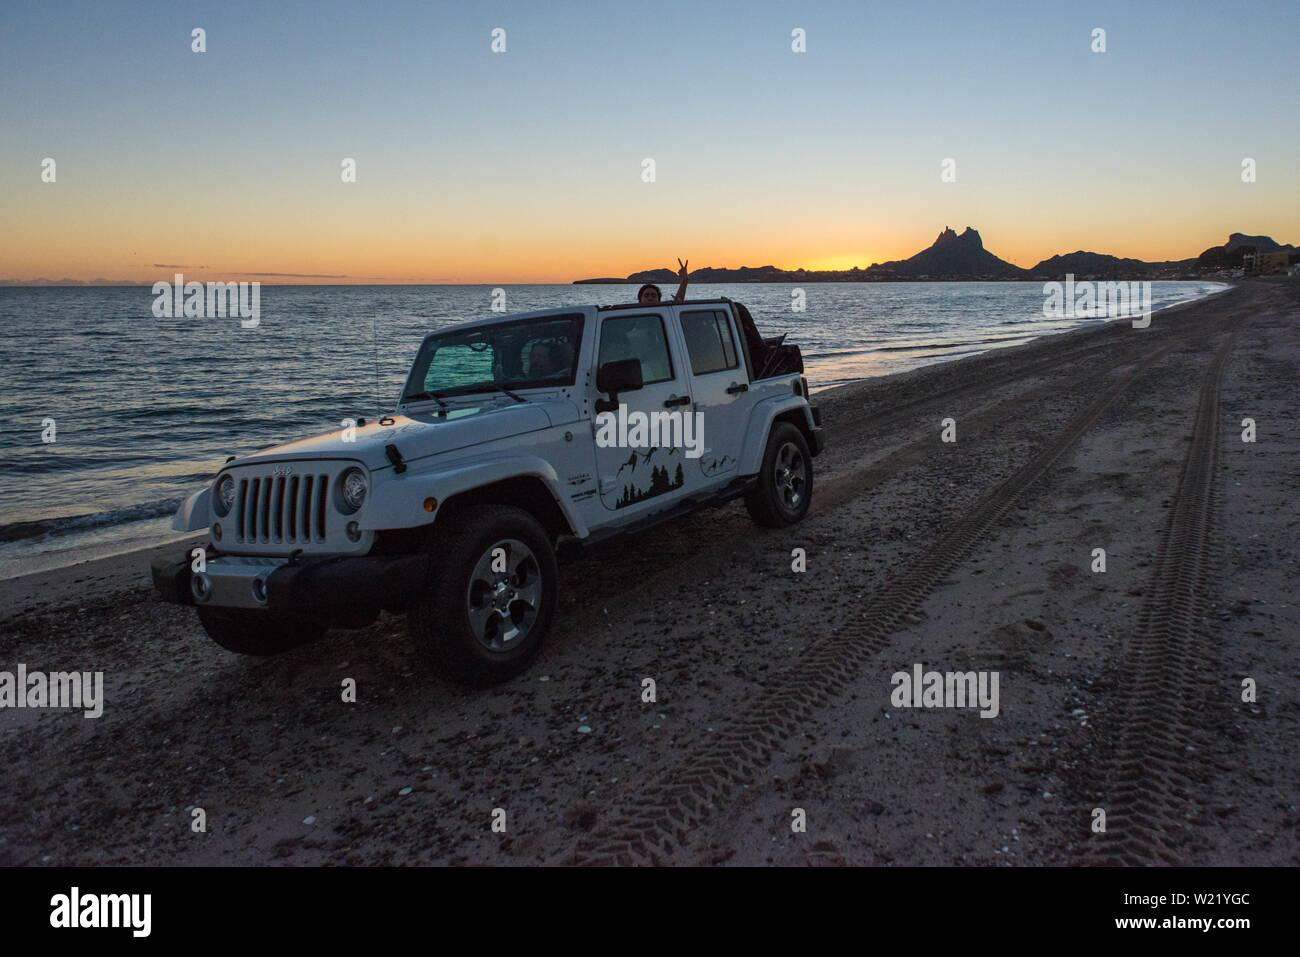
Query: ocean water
[145, 410]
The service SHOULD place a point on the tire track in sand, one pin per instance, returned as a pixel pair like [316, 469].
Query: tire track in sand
[1145, 781]
[656, 822]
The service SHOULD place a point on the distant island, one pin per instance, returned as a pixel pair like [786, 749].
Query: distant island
[953, 257]
[42, 281]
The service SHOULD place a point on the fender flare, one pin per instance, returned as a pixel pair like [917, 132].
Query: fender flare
[404, 495]
[194, 515]
[761, 418]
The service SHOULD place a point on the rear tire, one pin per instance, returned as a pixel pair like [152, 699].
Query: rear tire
[257, 633]
[483, 615]
[785, 479]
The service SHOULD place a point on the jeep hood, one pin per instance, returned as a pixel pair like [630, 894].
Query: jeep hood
[423, 433]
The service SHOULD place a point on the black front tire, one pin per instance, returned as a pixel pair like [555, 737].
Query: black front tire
[785, 479]
[482, 619]
[257, 633]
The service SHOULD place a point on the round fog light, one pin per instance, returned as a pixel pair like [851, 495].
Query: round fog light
[216, 531]
[259, 590]
[354, 531]
[201, 587]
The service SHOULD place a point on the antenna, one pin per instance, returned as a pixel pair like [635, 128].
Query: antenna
[374, 339]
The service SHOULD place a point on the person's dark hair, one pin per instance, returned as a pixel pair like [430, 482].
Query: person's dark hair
[648, 285]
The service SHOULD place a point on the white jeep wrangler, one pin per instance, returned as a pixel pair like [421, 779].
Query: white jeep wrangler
[515, 438]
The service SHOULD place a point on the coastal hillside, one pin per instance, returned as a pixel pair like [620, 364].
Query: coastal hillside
[1102, 266]
[962, 257]
[951, 256]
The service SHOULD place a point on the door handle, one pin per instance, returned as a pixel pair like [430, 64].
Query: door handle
[680, 400]
[734, 388]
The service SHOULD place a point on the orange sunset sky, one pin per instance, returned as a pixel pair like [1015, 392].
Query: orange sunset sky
[526, 165]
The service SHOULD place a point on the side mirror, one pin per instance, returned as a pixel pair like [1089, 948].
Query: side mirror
[623, 375]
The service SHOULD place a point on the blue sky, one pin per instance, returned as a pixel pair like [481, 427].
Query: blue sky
[761, 153]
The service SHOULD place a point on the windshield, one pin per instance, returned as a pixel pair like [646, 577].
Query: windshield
[511, 355]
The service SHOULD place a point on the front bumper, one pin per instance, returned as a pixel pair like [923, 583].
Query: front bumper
[308, 585]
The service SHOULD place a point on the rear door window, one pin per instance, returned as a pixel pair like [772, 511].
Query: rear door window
[709, 341]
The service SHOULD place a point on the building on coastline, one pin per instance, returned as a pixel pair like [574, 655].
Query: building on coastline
[1266, 264]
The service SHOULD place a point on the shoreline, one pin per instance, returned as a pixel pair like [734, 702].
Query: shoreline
[129, 567]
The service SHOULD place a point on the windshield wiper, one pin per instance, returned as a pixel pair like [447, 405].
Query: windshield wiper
[478, 387]
[422, 396]
[501, 388]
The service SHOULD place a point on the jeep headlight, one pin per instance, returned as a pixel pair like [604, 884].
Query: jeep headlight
[224, 500]
[352, 490]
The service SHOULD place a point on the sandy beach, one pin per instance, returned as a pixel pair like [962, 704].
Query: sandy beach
[1119, 690]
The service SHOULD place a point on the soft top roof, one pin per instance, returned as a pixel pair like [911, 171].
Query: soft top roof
[568, 311]
[688, 302]
[552, 312]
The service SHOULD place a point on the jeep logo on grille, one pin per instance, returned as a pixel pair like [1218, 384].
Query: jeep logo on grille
[283, 470]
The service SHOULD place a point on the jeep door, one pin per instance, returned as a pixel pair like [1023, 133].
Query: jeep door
[641, 458]
[719, 385]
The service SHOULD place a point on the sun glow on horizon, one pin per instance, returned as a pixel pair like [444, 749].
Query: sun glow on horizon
[839, 261]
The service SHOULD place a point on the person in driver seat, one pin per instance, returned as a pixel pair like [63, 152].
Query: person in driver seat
[548, 358]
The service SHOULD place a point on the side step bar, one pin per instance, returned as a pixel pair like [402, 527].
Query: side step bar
[569, 547]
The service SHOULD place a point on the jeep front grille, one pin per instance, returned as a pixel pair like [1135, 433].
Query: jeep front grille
[274, 509]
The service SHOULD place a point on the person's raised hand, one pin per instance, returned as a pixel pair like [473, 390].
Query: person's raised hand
[682, 272]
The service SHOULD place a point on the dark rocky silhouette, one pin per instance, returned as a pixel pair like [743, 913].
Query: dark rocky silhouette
[1086, 265]
[952, 257]
[955, 257]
